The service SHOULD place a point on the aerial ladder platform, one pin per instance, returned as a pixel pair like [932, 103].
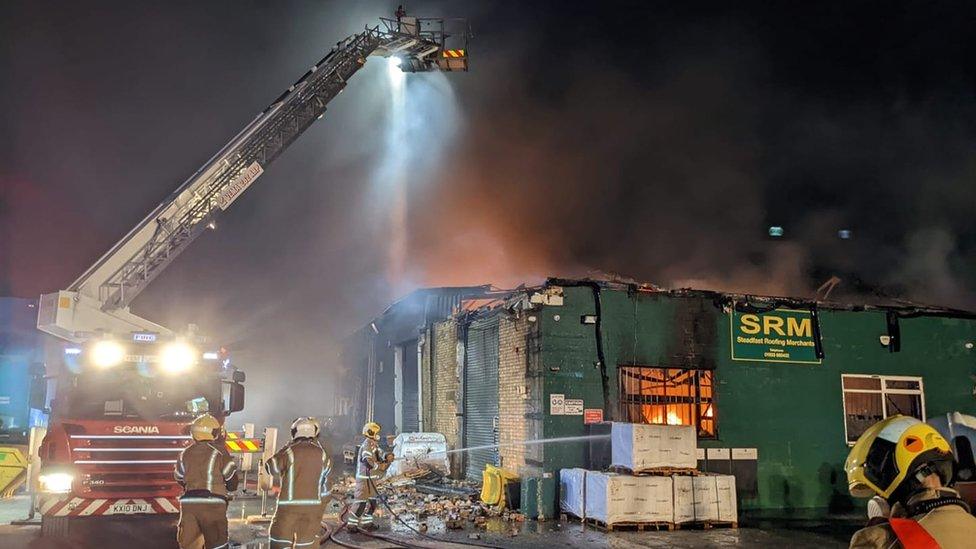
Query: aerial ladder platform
[93, 312]
[98, 301]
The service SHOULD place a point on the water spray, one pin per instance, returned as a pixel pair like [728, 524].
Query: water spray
[556, 440]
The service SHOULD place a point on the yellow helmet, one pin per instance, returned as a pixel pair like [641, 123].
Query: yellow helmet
[372, 430]
[205, 427]
[891, 450]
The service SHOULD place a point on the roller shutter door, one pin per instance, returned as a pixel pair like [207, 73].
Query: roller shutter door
[411, 408]
[481, 396]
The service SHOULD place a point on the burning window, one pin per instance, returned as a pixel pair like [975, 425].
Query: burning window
[668, 395]
[870, 399]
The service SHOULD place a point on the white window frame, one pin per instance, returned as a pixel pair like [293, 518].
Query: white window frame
[884, 391]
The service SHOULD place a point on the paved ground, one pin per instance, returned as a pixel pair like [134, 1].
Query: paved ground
[797, 531]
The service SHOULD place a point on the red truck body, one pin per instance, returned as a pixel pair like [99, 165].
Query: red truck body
[120, 466]
[116, 431]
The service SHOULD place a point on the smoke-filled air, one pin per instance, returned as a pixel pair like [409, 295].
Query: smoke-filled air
[661, 153]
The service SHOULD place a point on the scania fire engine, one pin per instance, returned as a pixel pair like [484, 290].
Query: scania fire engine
[124, 399]
[119, 421]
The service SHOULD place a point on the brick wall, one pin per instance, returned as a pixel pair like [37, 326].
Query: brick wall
[512, 391]
[512, 388]
[445, 384]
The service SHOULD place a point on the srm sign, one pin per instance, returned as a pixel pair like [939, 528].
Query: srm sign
[780, 335]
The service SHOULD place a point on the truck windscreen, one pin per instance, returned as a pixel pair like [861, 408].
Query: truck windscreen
[128, 393]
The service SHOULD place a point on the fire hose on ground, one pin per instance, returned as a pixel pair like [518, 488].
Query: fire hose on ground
[330, 534]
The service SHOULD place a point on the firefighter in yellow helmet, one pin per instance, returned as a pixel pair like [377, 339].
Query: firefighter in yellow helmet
[207, 473]
[303, 467]
[370, 467]
[909, 465]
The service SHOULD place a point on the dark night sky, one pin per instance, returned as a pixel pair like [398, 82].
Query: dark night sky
[657, 140]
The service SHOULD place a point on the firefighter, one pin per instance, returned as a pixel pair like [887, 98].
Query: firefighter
[303, 466]
[910, 465]
[207, 473]
[400, 13]
[370, 466]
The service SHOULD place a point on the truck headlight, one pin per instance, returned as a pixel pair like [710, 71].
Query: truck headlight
[106, 354]
[178, 357]
[56, 483]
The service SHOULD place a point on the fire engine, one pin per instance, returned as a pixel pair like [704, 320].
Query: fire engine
[124, 399]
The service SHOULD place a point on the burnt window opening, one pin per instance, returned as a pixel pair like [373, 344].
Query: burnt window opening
[869, 399]
[673, 396]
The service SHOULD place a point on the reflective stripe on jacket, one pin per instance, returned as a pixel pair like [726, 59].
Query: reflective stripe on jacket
[304, 468]
[370, 459]
[204, 467]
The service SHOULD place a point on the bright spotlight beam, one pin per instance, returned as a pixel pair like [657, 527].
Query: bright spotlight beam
[394, 72]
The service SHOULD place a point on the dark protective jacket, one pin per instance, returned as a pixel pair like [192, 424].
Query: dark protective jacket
[205, 468]
[951, 526]
[304, 467]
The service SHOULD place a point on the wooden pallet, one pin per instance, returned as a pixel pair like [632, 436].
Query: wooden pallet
[658, 471]
[706, 525]
[639, 526]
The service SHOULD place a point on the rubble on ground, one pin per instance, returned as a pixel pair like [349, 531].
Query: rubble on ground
[456, 509]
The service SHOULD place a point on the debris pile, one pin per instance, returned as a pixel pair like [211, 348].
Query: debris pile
[345, 488]
[455, 504]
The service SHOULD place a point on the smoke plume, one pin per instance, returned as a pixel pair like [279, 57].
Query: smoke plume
[658, 141]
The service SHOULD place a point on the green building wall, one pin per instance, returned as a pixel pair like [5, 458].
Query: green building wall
[792, 413]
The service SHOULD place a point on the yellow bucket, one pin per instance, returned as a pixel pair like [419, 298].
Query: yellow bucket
[493, 481]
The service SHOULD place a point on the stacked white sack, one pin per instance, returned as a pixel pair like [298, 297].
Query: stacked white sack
[639, 447]
[705, 498]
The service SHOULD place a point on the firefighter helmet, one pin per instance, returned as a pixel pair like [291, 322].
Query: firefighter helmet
[896, 452]
[305, 427]
[372, 430]
[205, 427]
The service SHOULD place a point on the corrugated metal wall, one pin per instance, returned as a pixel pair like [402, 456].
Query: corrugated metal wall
[481, 395]
[411, 408]
[370, 352]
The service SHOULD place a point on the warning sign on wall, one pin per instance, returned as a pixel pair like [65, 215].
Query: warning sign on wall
[592, 415]
[574, 407]
[557, 404]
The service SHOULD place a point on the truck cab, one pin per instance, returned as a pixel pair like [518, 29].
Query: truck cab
[119, 420]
